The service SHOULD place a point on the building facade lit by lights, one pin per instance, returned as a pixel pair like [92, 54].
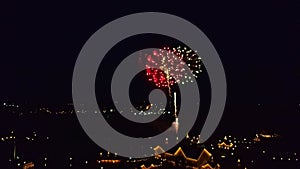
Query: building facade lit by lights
[179, 159]
[28, 166]
[224, 145]
[152, 166]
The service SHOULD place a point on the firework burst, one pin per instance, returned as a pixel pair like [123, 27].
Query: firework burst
[171, 61]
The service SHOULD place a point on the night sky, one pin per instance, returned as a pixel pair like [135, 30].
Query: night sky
[257, 42]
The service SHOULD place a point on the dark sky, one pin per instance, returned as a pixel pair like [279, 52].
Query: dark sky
[258, 44]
